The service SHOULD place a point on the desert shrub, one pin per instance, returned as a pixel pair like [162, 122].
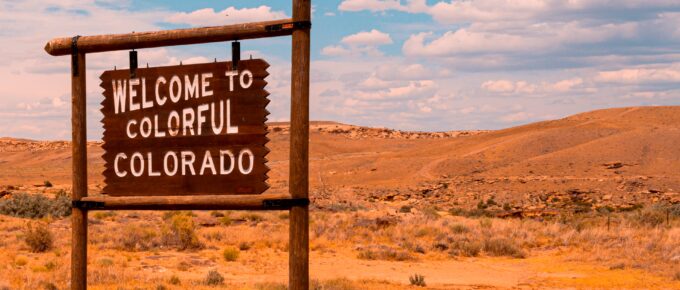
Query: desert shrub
[676, 277]
[214, 278]
[485, 223]
[230, 254]
[465, 248]
[252, 217]
[216, 214]
[138, 238]
[174, 280]
[507, 207]
[384, 253]
[503, 247]
[431, 213]
[272, 286]
[225, 221]
[650, 216]
[405, 209]
[61, 205]
[100, 215]
[47, 183]
[335, 284]
[459, 229]
[38, 237]
[36, 205]
[417, 280]
[619, 266]
[244, 246]
[180, 231]
[50, 286]
[161, 287]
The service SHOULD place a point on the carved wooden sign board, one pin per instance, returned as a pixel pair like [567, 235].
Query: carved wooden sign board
[186, 130]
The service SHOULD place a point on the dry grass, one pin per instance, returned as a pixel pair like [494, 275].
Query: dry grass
[143, 249]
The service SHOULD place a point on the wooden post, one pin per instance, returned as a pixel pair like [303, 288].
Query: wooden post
[79, 190]
[299, 150]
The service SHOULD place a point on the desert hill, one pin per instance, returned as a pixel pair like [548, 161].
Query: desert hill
[616, 158]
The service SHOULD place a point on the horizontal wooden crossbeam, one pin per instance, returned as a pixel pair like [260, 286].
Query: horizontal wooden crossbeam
[196, 202]
[137, 40]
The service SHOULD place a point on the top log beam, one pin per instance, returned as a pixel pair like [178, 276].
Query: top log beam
[137, 40]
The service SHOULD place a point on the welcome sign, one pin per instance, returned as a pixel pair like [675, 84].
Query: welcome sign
[186, 130]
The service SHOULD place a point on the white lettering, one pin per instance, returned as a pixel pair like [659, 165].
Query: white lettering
[188, 159]
[119, 95]
[250, 79]
[230, 129]
[137, 156]
[160, 99]
[145, 130]
[205, 82]
[251, 158]
[224, 171]
[174, 166]
[129, 133]
[173, 129]
[151, 172]
[115, 165]
[175, 95]
[188, 117]
[190, 87]
[231, 75]
[208, 163]
[133, 94]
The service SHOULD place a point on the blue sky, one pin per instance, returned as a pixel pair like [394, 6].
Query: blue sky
[415, 65]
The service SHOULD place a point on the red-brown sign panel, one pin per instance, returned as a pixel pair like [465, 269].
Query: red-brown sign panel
[186, 130]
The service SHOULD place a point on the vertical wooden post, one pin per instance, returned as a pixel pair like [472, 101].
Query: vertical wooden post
[299, 150]
[79, 190]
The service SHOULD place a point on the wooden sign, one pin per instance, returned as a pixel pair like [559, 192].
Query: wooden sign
[186, 130]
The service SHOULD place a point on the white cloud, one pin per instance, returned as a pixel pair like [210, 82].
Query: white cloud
[503, 86]
[371, 38]
[640, 75]
[516, 117]
[335, 50]
[414, 89]
[413, 6]
[230, 15]
[358, 44]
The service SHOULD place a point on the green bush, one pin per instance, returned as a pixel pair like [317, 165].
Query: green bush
[36, 205]
[417, 280]
[180, 231]
[503, 247]
[214, 278]
[38, 237]
[174, 280]
[230, 254]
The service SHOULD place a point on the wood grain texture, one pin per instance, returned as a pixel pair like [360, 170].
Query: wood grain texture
[246, 110]
[299, 150]
[200, 202]
[79, 191]
[137, 40]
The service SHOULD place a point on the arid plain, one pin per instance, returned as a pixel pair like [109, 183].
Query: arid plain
[588, 201]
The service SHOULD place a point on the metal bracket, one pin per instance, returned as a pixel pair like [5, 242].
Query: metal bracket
[133, 64]
[293, 25]
[74, 55]
[87, 204]
[284, 203]
[235, 54]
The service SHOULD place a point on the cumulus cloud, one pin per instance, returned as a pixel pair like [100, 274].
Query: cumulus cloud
[230, 15]
[361, 43]
[523, 87]
[412, 6]
[373, 38]
[640, 75]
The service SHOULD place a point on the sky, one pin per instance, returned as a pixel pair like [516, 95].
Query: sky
[411, 65]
